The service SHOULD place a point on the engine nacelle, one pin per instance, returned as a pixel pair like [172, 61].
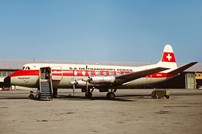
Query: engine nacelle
[80, 83]
[102, 79]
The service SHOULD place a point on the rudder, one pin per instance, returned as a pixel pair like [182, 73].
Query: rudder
[168, 58]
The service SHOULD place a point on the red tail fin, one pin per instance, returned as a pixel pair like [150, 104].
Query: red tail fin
[168, 58]
[168, 54]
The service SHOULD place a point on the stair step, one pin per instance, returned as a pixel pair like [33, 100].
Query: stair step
[45, 91]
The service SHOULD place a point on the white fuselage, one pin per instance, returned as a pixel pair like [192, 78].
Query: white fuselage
[63, 74]
[102, 77]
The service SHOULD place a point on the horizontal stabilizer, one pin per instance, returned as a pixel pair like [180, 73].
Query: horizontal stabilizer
[181, 69]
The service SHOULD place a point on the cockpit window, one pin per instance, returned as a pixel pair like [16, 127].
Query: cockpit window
[25, 68]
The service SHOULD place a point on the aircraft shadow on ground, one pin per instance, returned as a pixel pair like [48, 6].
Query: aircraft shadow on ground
[126, 98]
[118, 98]
[75, 98]
[17, 98]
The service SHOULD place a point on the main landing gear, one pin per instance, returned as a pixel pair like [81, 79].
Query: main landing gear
[110, 95]
[88, 95]
[88, 91]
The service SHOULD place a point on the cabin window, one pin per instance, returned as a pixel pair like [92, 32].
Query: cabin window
[111, 73]
[97, 73]
[89, 73]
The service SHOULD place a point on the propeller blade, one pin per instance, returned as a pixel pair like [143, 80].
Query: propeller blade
[73, 88]
[86, 80]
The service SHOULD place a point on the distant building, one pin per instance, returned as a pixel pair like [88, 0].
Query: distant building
[3, 74]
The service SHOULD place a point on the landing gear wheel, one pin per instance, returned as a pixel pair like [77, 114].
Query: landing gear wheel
[111, 95]
[31, 96]
[88, 95]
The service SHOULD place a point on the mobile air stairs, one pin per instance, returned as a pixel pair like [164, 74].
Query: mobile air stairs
[45, 85]
[45, 90]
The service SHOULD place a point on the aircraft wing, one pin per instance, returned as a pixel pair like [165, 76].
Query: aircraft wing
[136, 75]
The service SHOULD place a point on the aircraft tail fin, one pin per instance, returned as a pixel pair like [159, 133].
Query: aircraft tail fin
[168, 59]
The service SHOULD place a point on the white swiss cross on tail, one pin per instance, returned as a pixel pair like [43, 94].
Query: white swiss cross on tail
[168, 58]
[168, 54]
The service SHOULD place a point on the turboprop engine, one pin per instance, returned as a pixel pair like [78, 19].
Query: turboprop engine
[93, 81]
[81, 83]
[102, 79]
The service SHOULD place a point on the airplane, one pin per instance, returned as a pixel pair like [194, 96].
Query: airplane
[105, 78]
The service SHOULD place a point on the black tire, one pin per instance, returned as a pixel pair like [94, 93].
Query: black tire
[88, 95]
[31, 96]
[111, 95]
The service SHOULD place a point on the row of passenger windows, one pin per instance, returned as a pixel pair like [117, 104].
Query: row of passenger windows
[98, 73]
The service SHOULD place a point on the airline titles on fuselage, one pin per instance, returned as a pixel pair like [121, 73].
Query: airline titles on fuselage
[103, 69]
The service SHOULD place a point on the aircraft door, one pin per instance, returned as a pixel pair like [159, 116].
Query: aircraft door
[57, 73]
[45, 73]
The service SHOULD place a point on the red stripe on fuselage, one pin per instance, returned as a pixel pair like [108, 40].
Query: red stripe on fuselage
[25, 73]
[161, 75]
[82, 73]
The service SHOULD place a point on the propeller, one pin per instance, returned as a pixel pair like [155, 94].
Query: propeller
[74, 83]
[82, 82]
[87, 92]
[73, 88]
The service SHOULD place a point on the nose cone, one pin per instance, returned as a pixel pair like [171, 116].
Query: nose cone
[13, 78]
[7, 81]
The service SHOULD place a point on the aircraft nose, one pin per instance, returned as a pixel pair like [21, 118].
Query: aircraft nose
[7, 81]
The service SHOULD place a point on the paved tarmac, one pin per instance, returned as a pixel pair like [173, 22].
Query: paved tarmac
[133, 111]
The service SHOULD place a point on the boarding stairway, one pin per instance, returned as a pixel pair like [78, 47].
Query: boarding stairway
[45, 90]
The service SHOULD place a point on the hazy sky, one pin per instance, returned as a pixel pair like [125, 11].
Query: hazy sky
[100, 30]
